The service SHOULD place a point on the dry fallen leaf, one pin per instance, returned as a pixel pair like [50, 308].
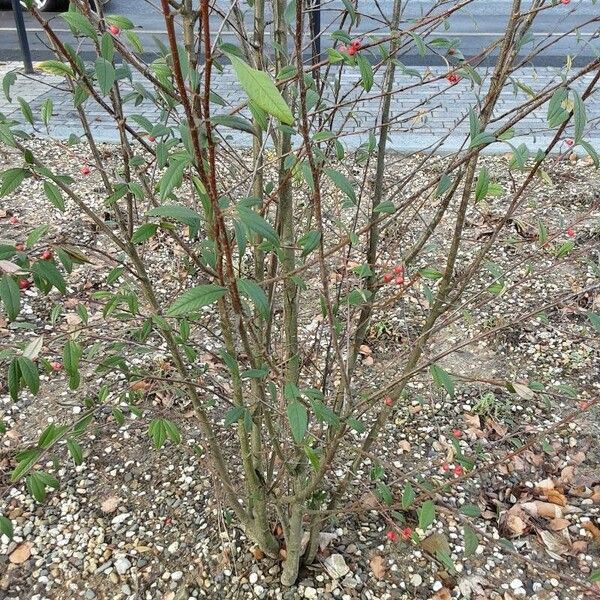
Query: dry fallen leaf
[365, 350]
[436, 542]
[545, 485]
[557, 544]
[595, 531]
[21, 553]
[537, 508]
[555, 497]
[110, 504]
[443, 594]
[558, 524]
[377, 565]
[257, 553]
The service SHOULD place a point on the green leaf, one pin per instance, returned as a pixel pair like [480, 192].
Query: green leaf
[261, 90]
[177, 212]
[135, 41]
[234, 122]
[120, 21]
[471, 541]
[342, 183]
[10, 296]
[356, 425]
[107, 47]
[482, 139]
[79, 24]
[298, 419]
[408, 495]
[366, 72]
[443, 185]
[36, 487]
[47, 109]
[483, 184]
[11, 180]
[256, 294]
[36, 235]
[6, 527]
[14, 379]
[26, 460]
[75, 451]
[309, 241]
[257, 224]
[144, 233]
[557, 115]
[591, 152]
[105, 73]
[579, 117]
[324, 413]
[158, 432]
[442, 379]
[430, 273]
[30, 374]
[7, 81]
[470, 510]
[595, 576]
[426, 514]
[26, 110]
[233, 415]
[594, 319]
[47, 270]
[55, 67]
[195, 298]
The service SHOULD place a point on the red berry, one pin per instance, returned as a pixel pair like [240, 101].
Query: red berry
[388, 277]
[352, 50]
[569, 142]
[399, 270]
[406, 533]
[85, 170]
[400, 280]
[342, 48]
[388, 401]
[565, 2]
[24, 283]
[356, 44]
[458, 470]
[457, 433]
[114, 30]
[151, 138]
[392, 536]
[20, 247]
[453, 78]
[571, 232]
[56, 366]
[14, 220]
[445, 467]
[47, 254]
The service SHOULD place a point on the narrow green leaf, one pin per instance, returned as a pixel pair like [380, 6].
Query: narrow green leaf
[408, 495]
[256, 294]
[105, 74]
[257, 224]
[195, 298]
[470, 510]
[75, 451]
[47, 270]
[6, 527]
[298, 419]
[426, 514]
[30, 374]
[10, 296]
[342, 183]
[471, 541]
[442, 379]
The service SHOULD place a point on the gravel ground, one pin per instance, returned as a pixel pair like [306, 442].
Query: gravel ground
[131, 522]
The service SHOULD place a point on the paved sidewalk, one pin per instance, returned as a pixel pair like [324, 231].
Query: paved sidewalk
[421, 117]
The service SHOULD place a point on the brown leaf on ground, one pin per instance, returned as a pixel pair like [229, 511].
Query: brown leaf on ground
[443, 594]
[558, 524]
[580, 547]
[595, 531]
[515, 522]
[378, 566]
[21, 553]
[257, 553]
[537, 508]
[436, 542]
[567, 474]
[555, 497]
[365, 350]
[557, 545]
[472, 421]
[545, 485]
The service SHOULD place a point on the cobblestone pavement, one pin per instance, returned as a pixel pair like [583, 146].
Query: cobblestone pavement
[421, 116]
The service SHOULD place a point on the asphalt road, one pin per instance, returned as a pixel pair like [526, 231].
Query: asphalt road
[476, 26]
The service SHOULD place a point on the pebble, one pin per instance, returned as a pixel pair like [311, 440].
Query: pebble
[515, 584]
[253, 578]
[122, 565]
[416, 580]
[310, 592]
[176, 575]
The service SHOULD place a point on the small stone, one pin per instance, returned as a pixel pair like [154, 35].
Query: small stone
[416, 580]
[120, 518]
[20, 554]
[336, 566]
[176, 575]
[90, 594]
[554, 582]
[437, 586]
[172, 548]
[515, 584]
[310, 592]
[253, 578]
[122, 565]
